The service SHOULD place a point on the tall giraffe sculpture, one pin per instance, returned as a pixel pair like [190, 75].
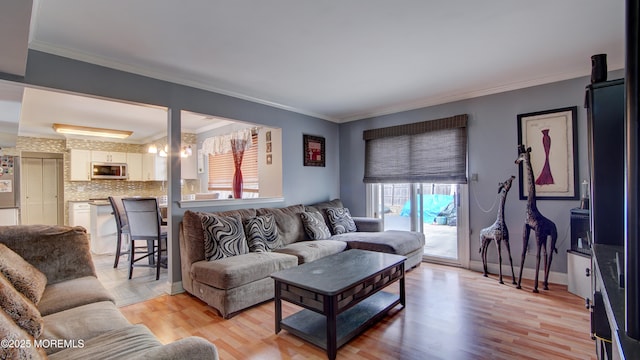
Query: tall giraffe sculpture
[498, 232]
[535, 221]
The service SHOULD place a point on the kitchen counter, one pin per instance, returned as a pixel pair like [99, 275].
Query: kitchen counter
[103, 228]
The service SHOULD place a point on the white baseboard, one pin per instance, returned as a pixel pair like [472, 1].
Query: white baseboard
[527, 273]
[174, 288]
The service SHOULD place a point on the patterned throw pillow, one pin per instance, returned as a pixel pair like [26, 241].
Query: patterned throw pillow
[23, 276]
[19, 308]
[340, 220]
[9, 330]
[223, 236]
[314, 226]
[262, 233]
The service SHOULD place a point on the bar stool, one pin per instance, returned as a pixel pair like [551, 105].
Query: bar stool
[144, 219]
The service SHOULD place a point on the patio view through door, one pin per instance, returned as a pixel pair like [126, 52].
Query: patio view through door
[432, 209]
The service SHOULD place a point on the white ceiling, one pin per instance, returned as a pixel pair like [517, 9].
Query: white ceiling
[338, 60]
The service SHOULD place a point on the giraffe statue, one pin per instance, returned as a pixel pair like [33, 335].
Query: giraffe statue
[535, 221]
[498, 232]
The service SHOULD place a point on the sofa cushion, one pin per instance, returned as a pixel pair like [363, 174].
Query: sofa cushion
[125, 343]
[19, 308]
[82, 323]
[262, 233]
[223, 236]
[307, 251]
[314, 226]
[289, 222]
[235, 271]
[71, 293]
[24, 276]
[340, 220]
[10, 331]
[390, 241]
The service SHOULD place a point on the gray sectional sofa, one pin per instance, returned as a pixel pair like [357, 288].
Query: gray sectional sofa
[231, 273]
[54, 306]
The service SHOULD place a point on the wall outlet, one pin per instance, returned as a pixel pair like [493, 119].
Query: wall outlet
[474, 177]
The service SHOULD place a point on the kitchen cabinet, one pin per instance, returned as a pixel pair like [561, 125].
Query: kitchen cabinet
[154, 167]
[108, 156]
[80, 165]
[80, 214]
[134, 166]
[9, 216]
[189, 167]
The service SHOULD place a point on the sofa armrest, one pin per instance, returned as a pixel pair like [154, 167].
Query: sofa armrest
[60, 252]
[367, 224]
[192, 347]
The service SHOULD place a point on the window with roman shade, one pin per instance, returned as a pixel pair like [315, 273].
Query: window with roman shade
[221, 169]
[432, 151]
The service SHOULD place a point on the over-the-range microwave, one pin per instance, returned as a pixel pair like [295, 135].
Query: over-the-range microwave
[113, 171]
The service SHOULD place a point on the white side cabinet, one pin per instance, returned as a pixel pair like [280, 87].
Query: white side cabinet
[579, 274]
[80, 165]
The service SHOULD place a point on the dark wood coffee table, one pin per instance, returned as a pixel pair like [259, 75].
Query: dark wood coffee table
[340, 295]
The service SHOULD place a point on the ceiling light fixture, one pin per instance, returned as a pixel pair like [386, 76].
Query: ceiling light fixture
[91, 131]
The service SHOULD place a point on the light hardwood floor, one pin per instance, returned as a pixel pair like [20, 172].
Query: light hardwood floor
[450, 314]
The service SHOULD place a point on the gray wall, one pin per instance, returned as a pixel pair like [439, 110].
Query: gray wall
[301, 184]
[492, 131]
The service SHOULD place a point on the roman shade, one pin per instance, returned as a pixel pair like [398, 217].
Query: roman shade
[430, 151]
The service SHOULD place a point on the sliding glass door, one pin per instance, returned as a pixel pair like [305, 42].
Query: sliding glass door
[436, 210]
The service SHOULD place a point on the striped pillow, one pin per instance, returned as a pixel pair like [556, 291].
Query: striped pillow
[315, 226]
[223, 236]
[262, 233]
[340, 220]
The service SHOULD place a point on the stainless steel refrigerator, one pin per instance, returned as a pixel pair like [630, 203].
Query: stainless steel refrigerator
[9, 190]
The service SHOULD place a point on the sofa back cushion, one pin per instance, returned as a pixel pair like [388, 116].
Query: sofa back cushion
[60, 252]
[288, 221]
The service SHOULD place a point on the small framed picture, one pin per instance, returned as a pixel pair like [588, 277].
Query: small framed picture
[313, 147]
[269, 148]
[269, 159]
[268, 135]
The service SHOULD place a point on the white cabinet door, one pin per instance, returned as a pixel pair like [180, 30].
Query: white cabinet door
[80, 165]
[579, 275]
[154, 167]
[134, 166]
[189, 167]
[108, 156]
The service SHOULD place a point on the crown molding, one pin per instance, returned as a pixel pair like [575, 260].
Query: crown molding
[453, 97]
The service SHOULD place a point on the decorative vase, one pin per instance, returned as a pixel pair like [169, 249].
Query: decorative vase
[237, 184]
[598, 68]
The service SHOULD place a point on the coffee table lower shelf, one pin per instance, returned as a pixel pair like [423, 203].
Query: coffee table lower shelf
[312, 326]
